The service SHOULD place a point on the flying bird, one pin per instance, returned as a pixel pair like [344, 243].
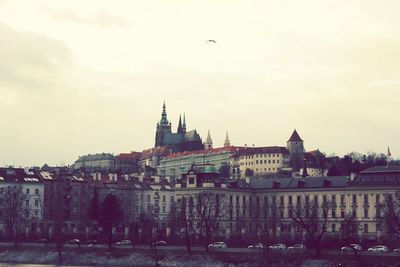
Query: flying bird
[211, 41]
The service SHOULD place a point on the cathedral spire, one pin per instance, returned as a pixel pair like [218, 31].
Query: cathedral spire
[180, 130]
[208, 144]
[184, 124]
[227, 142]
[164, 119]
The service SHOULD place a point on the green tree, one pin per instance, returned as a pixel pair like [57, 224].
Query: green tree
[111, 215]
[225, 170]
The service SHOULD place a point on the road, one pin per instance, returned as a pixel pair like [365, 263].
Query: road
[195, 249]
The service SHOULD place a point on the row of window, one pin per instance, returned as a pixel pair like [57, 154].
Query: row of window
[261, 156]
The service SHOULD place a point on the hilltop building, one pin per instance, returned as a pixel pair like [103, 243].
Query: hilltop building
[179, 141]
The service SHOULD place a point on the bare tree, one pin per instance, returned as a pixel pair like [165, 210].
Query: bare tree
[312, 218]
[391, 214]
[208, 213]
[349, 232]
[268, 231]
[15, 210]
[180, 222]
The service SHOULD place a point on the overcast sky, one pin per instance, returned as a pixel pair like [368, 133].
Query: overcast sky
[80, 77]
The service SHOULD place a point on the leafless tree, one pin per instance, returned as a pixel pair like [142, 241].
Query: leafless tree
[180, 222]
[268, 230]
[391, 214]
[15, 210]
[349, 232]
[208, 212]
[312, 218]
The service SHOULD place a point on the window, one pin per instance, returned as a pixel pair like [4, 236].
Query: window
[27, 191]
[366, 213]
[315, 200]
[354, 199]
[334, 199]
[36, 203]
[333, 213]
[282, 201]
[164, 198]
[172, 198]
[191, 180]
[342, 213]
[365, 199]
[244, 200]
[36, 191]
[354, 213]
[290, 200]
[298, 200]
[27, 202]
[163, 209]
[148, 198]
[377, 200]
[365, 227]
[342, 199]
[333, 227]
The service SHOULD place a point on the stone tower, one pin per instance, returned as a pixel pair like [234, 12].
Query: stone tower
[296, 151]
[163, 127]
[208, 144]
[227, 142]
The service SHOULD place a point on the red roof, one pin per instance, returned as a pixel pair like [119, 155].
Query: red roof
[155, 151]
[133, 155]
[231, 149]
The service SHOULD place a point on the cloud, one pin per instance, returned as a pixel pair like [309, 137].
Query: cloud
[30, 61]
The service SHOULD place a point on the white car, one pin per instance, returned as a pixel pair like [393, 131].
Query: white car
[278, 246]
[218, 245]
[256, 246]
[379, 248]
[297, 247]
[351, 247]
[124, 243]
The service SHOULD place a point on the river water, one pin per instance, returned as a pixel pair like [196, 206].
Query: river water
[32, 265]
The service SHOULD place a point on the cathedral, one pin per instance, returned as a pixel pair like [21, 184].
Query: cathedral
[179, 141]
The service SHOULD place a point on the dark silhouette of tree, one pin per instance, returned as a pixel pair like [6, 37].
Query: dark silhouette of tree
[111, 215]
[312, 218]
[349, 232]
[180, 221]
[248, 172]
[391, 215]
[15, 210]
[225, 170]
[94, 206]
[208, 212]
[267, 231]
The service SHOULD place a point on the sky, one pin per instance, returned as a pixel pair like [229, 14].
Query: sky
[90, 76]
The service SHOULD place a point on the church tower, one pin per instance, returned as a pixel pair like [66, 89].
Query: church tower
[180, 129]
[296, 151]
[163, 127]
[208, 144]
[227, 142]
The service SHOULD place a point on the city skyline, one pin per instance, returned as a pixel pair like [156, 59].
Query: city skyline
[91, 77]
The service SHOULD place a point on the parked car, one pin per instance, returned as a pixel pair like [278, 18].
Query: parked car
[73, 241]
[278, 246]
[124, 243]
[396, 250]
[91, 242]
[256, 246]
[159, 243]
[218, 245]
[351, 247]
[379, 248]
[297, 247]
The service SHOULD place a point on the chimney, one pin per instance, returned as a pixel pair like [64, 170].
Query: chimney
[140, 178]
[115, 177]
[247, 180]
[353, 175]
[126, 177]
[110, 177]
[156, 179]
[94, 176]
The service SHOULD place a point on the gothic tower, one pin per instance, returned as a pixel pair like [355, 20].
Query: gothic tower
[208, 144]
[163, 127]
